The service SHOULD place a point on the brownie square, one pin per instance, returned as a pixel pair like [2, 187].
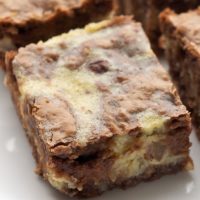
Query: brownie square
[27, 21]
[92, 113]
[181, 35]
[147, 12]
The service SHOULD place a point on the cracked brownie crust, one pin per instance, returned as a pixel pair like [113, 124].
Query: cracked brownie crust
[92, 113]
[181, 35]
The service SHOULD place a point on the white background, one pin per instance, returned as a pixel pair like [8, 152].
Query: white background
[19, 182]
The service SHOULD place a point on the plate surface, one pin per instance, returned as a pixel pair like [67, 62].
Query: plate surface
[19, 182]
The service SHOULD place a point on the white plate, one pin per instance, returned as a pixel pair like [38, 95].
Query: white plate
[19, 182]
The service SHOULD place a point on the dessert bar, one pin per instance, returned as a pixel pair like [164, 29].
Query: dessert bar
[147, 12]
[92, 113]
[27, 21]
[181, 35]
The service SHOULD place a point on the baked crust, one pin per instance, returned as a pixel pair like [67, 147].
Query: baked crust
[181, 42]
[86, 99]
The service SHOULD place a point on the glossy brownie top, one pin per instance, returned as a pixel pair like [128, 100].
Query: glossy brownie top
[93, 83]
[186, 26]
[20, 11]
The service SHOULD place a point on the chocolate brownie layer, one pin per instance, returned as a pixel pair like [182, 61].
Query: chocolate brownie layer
[95, 118]
[147, 11]
[26, 21]
[181, 42]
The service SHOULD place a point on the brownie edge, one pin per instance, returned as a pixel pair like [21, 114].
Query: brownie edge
[181, 33]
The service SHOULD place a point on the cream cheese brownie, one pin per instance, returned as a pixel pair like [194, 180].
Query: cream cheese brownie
[92, 113]
[26, 21]
[182, 46]
[147, 12]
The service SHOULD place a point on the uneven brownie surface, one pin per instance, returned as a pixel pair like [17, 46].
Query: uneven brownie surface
[182, 41]
[21, 11]
[26, 21]
[92, 112]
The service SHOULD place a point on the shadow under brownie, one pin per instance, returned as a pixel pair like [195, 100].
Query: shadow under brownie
[99, 109]
[28, 21]
[181, 35]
